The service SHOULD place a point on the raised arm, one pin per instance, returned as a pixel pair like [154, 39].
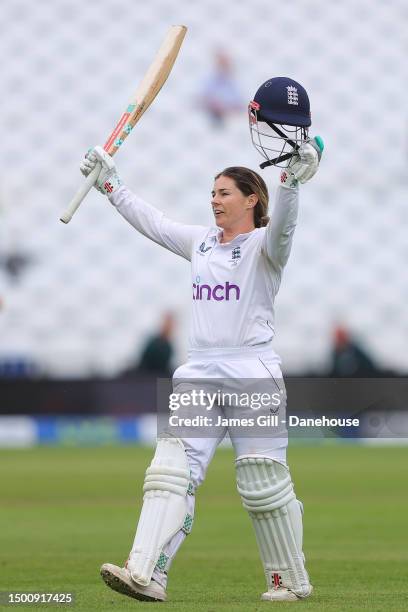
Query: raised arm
[149, 221]
[279, 231]
[152, 223]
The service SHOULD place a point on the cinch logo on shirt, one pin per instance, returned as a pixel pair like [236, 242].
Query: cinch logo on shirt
[218, 293]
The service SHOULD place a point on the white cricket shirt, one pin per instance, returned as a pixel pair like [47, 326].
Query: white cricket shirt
[233, 284]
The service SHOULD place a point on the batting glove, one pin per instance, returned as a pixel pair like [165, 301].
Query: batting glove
[108, 180]
[305, 164]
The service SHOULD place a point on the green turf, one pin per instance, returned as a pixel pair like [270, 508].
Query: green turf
[66, 511]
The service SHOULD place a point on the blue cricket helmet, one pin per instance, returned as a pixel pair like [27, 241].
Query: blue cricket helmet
[284, 101]
[279, 120]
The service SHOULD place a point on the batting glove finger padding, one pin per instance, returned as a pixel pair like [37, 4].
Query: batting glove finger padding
[101, 155]
[88, 162]
[87, 166]
[310, 154]
[305, 165]
[108, 180]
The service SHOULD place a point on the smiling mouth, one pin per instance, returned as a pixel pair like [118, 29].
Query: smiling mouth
[218, 212]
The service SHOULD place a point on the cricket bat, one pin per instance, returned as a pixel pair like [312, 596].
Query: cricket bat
[148, 89]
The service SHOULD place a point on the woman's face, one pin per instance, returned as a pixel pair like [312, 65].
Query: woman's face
[230, 206]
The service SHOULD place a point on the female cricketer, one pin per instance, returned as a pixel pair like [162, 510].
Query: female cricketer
[236, 269]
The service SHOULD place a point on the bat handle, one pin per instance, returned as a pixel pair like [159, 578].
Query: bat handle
[80, 194]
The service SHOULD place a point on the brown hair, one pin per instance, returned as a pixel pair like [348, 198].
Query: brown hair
[249, 182]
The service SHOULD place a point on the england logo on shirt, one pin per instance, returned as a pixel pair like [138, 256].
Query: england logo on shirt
[235, 256]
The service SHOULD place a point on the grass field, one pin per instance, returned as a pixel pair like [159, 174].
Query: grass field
[66, 511]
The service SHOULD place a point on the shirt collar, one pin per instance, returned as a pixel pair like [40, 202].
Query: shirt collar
[217, 232]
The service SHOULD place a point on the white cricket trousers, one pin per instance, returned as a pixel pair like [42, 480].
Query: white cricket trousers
[226, 365]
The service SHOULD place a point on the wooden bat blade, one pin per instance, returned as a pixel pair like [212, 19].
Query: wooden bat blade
[149, 87]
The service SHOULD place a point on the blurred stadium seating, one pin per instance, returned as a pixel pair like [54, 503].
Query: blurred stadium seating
[95, 288]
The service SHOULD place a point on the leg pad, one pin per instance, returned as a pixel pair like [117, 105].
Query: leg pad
[164, 511]
[266, 490]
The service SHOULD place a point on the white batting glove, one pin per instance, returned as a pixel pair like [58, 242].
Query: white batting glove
[108, 180]
[304, 165]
